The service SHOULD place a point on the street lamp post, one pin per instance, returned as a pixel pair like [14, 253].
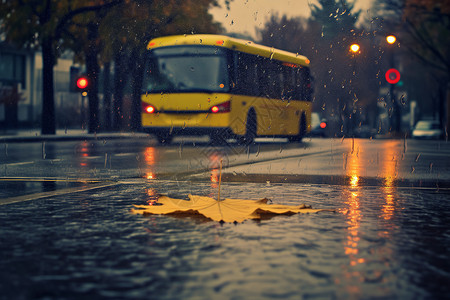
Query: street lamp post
[353, 118]
[391, 39]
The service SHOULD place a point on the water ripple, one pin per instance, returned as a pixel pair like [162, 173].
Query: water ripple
[381, 244]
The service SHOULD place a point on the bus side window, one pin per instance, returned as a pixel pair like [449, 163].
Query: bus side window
[270, 79]
[301, 84]
[307, 85]
[298, 86]
[247, 80]
[263, 78]
[288, 91]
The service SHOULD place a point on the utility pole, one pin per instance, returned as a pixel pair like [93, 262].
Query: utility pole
[393, 77]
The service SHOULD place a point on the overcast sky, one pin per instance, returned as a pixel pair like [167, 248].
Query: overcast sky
[246, 15]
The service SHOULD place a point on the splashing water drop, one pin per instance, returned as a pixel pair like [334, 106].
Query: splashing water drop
[403, 100]
[43, 150]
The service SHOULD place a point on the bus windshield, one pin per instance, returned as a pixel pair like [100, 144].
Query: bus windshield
[184, 69]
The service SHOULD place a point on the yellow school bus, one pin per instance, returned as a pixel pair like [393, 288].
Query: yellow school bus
[224, 87]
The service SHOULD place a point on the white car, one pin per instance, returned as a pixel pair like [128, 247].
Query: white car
[427, 130]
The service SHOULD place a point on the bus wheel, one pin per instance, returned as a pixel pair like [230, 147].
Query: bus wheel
[250, 129]
[301, 130]
[164, 138]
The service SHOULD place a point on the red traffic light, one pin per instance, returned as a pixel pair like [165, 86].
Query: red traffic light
[392, 76]
[82, 83]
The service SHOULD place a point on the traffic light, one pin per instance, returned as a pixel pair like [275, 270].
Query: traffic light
[392, 76]
[82, 84]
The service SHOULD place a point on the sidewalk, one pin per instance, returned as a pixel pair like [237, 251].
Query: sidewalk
[34, 135]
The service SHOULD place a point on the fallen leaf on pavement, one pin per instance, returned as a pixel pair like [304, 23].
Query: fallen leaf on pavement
[228, 210]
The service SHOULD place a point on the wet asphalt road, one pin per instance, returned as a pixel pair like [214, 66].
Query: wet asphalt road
[381, 243]
[67, 231]
[26, 168]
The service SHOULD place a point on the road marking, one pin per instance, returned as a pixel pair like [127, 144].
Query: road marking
[21, 163]
[46, 179]
[125, 154]
[60, 192]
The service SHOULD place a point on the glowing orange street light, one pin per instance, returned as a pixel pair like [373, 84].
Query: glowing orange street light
[354, 48]
[391, 39]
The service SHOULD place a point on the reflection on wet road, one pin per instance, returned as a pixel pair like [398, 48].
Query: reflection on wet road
[89, 245]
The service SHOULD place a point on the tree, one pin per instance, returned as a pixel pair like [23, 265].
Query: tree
[424, 26]
[84, 39]
[346, 84]
[284, 33]
[46, 24]
[132, 26]
[333, 24]
[336, 17]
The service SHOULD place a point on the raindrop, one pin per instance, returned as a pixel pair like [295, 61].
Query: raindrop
[6, 150]
[431, 167]
[405, 146]
[344, 163]
[180, 150]
[106, 159]
[192, 69]
[258, 151]
[402, 99]
[43, 150]
[417, 157]
[353, 145]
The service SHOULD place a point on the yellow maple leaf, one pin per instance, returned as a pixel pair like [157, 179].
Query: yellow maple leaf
[228, 210]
